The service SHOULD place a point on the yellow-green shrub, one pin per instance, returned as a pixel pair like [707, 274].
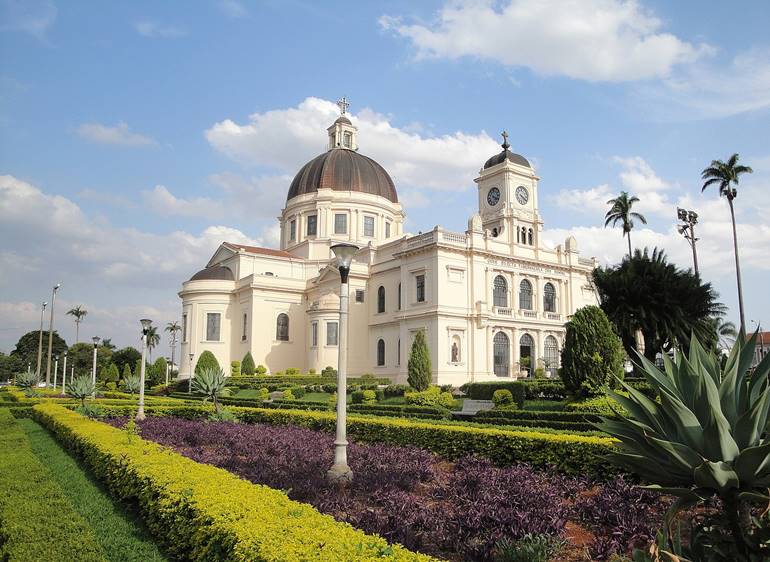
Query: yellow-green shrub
[37, 521]
[201, 512]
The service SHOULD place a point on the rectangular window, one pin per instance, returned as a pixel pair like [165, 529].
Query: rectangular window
[184, 327]
[312, 225]
[213, 320]
[369, 226]
[359, 295]
[420, 283]
[314, 334]
[245, 326]
[340, 223]
[346, 139]
[331, 333]
[387, 230]
[293, 230]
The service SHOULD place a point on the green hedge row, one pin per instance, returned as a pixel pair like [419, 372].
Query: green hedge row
[201, 512]
[516, 415]
[425, 412]
[37, 521]
[550, 424]
[533, 389]
[568, 454]
[304, 379]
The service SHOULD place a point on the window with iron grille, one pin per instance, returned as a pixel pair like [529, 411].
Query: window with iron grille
[500, 292]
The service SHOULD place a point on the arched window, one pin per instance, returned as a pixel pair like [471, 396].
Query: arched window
[380, 353]
[549, 298]
[525, 295]
[518, 236]
[500, 354]
[527, 352]
[551, 355]
[399, 296]
[523, 235]
[282, 327]
[381, 299]
[529, 237]
[500, 292]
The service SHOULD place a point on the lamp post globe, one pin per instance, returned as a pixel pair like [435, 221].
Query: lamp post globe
[146, 324]
[96, 340]
[340, 471]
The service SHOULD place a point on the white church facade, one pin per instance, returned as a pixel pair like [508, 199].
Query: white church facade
[492, 301]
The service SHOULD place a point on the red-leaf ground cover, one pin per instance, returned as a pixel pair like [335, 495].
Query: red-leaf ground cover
[457, 510]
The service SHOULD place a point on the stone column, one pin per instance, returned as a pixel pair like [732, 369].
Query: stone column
[515, 352]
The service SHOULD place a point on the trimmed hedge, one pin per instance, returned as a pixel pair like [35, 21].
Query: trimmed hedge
[396, 410]
[545, 415]
[201, 512]
[485, 390]
[300, 380]
[545, 424]
[37, 521]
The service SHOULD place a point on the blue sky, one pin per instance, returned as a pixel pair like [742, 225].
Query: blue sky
[135, 137]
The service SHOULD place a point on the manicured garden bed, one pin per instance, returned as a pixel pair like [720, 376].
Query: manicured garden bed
[459, 510]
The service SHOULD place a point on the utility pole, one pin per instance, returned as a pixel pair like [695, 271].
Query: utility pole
[40, 345]
[687, 229]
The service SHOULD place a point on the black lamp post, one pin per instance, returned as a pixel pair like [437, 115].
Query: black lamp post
[687, 229]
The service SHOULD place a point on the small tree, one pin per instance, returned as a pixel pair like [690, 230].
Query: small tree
[210, 382]
[235, 368]
[126, 371]
[419, 367]
[593, 355]
[158, 371]
[81, 388]
[112, 374]
[261, 370]
[206, 361]
[248, 367]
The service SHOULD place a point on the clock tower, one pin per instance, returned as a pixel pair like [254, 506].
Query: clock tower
[507, 187]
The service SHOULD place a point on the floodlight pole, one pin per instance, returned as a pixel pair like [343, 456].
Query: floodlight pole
[40, 345]
[50, 337]
[687, 229]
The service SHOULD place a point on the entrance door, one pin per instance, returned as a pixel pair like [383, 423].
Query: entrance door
[526, 352]
[501, 354]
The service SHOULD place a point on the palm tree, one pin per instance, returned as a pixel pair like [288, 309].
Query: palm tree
[724, 332]
[172, 328]
[726, 176]
[620, 212]
[153, 339]
[107, 342]
[79, 313]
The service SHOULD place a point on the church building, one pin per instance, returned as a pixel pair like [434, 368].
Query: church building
[492, 301]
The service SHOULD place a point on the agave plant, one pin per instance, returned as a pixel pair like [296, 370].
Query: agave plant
[26, 382]
[81, 388]
[131, 384]
[210, 382]
[705, 437]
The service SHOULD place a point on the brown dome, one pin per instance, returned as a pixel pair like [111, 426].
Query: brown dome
[341, 169]
[214, 273]
[506, 155]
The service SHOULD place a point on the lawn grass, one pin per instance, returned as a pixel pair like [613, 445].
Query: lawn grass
[119, 531]
[545, 405]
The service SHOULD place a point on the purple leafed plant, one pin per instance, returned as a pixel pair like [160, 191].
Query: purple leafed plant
[405, 494]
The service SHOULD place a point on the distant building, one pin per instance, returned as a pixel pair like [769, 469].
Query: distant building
[492, 300]
[761, 348]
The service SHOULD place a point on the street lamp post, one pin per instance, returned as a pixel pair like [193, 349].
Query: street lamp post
[189, 379]
[55, 371]
[168, 368]
[94, 339]
[50, 336]
[340, 471]
[64, 374]
[146, 323]
[687, 229]
[40, 345]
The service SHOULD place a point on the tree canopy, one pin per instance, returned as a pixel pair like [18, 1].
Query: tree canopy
[126, 356]
[81, 356]
[26, 349]
[666, 303]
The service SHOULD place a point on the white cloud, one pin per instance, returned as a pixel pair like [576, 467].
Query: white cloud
[162, 201]
[120, 274]
[155, 29]
[287, 138]
[595, 40]
[28, 16]
[119, 134]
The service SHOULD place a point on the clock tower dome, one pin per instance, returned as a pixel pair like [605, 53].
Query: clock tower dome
[507, 187]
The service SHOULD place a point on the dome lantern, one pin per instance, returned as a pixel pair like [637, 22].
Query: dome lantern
[342, 133]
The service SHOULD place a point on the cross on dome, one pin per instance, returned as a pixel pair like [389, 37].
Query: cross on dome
[505, 144]
[343, 104]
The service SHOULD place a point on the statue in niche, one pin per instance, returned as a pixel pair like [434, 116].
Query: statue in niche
[455, 353]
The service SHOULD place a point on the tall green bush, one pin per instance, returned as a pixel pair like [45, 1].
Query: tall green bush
[592, 356]
[111, 374]
[206, 361]
[126, 371]
[419, 368]
[248, 367]
[158, 372]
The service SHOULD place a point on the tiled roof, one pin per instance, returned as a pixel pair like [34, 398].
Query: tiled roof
[263, 251]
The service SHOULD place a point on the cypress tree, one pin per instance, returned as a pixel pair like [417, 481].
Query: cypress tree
[206, 360]
[248, 367]
[593, 354]
[112, 373]
[419, 368]
[126, 371]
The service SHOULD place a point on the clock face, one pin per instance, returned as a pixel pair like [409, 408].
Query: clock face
[522, 195]
[493, 196]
